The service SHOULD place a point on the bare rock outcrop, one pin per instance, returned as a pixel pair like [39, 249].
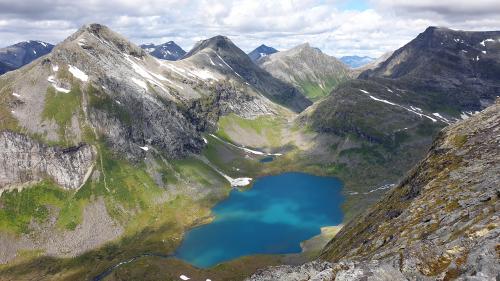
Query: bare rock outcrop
[23, 159]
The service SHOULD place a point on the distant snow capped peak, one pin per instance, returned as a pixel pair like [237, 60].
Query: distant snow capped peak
[260, 52]
[166, 51]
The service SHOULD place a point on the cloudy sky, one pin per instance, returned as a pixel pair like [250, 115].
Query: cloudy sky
[338, 27]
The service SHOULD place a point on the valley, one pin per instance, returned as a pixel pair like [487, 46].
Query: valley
[114, 163]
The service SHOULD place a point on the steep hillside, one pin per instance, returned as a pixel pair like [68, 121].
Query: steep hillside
[308, 69]
[165, 51]
[17, 55]
[463, 67]
[440, 223]
[261, 52]
[220, 53]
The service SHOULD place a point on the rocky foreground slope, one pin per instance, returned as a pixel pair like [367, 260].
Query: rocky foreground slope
[440, 223]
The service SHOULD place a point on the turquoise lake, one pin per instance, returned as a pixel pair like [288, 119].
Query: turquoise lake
[272, 217]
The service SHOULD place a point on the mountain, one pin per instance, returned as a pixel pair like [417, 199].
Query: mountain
[308, 69]
[165, 51]
[381, 126]
[5, 67]
[106, 139]
[17, 55]
[356, 61]
[371, 65]
[108, 144]
[440, 222]
[220, 53]
[261, 52]
[460, 67]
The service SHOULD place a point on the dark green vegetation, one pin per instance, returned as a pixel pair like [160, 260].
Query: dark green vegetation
[61, 107]
[19, 208]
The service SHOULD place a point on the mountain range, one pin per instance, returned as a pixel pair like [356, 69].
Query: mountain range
[261, 52]
[110, 153]
[17, 55]
[165, 51]
[356, 61]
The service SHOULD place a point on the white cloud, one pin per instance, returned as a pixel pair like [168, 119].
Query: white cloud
[386, 25]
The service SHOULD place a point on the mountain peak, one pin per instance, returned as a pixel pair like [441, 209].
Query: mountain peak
[166, 51]
[106, 38]
[260, 52]
[216, 43]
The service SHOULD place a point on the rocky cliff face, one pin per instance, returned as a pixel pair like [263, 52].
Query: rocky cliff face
[440, 223]
[25, 160]
[308, 69]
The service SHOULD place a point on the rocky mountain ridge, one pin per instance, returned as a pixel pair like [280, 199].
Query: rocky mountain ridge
[220, 53]
[462, 66]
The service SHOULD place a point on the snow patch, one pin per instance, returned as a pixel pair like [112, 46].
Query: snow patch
[210, 59]
[389, 90]
[184, 277]
[43, 44]
[487, 40]
[385, 186]
[228, 66]
[204, 74]
[415, 108]
[364, 91]
[16, 95]
[59, 89]
[440, 117]
[381, 100]
[145, 148]
[52, 80]
[140, 83]
[412, 109]
[251, 151]
[77, 73]
[55, 68]
[205, 140]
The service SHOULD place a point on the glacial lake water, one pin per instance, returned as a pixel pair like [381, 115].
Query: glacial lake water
[272, 217]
